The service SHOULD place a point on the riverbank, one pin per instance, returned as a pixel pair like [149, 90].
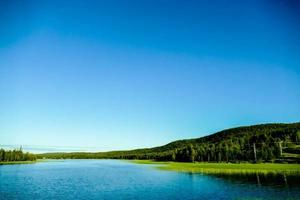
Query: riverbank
[224, 168]
[17, 162]
[209, 168]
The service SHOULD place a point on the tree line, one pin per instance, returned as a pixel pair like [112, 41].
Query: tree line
[16, 155]
[252, 143]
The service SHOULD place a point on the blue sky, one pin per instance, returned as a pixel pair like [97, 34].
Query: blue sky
[107, 75]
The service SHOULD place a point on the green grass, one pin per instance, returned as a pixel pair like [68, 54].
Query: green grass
[291, 155]
[17, 162]
[224, 168]
[148, 162]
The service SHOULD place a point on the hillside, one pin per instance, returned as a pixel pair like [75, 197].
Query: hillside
[265, 142]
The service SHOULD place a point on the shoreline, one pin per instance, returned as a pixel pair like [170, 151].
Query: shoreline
[199, 167]
[18, 162]
[223, 168]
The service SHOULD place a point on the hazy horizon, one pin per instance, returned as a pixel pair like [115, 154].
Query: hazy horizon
[122, 75]
[67, 149]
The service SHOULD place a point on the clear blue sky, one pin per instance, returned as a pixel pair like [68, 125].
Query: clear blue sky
[128, 74]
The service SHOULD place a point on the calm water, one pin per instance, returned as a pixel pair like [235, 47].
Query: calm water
[113, 179]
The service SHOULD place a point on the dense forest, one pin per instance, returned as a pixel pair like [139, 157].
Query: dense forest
[266, 142]
[15, 155]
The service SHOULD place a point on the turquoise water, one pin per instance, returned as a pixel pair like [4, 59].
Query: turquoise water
[113, 179]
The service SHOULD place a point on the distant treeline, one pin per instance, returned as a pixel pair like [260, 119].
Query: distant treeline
[15, 155]
[266, 142]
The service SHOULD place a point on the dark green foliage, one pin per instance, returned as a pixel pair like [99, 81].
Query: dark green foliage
[15, 155]
[231, 145]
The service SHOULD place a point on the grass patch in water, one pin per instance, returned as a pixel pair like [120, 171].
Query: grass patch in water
[17, 162]
[216, 168]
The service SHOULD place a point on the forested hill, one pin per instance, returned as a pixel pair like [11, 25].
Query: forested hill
[265, 142]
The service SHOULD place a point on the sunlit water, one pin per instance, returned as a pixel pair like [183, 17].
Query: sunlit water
[113, 179]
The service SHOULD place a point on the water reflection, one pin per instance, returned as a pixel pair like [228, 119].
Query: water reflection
[113, 179]
[264, 179]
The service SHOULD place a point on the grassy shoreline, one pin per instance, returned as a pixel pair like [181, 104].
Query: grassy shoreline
[204, 167]
[224, 168]
[18, 162]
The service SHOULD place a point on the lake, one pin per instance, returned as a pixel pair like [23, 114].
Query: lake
[115, 179]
